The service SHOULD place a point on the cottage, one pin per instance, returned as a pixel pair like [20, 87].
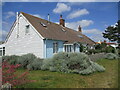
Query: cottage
[30, 34]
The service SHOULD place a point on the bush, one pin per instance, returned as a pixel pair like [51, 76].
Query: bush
[111, 56]
[71, 63]
[78, 60]
[11, 59]
[92, 68]
[46, 64]
[26, 59]
[35, 65]
[5, 58]
[109, 49]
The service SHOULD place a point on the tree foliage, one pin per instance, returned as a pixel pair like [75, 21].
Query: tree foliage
[112, 32]
[10, 76]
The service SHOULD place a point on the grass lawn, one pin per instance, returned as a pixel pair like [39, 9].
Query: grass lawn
[46, 79]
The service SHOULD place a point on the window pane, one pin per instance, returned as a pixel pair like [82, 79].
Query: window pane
[70, 48]
[3, 51]
[74, 47]
[55, 47]
[0, 52]
[27, 28]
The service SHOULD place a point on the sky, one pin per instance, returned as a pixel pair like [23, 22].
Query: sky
[93, 17]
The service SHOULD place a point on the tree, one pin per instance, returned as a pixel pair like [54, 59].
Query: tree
[113, 33]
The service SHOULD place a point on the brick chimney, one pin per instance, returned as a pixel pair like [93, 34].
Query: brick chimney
[62, 21]
[79, 29]
[105, 41]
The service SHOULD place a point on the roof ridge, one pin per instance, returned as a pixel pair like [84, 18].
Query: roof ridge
[32, 15]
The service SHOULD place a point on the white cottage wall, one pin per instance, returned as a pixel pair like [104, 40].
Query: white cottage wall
[30, 42]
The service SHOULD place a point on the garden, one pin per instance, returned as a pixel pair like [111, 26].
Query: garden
[63, 70]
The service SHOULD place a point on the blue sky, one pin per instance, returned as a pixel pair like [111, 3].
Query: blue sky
[93, 17]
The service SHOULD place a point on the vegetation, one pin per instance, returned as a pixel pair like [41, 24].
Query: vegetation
[111, 56]
[26, 59]
[9, 75]
[71, 63]
[11, 59]
[47, 79]
[97, 56]
[23, 60]
[112, 33]
[62, 62]
[35, 65]
[101, 48]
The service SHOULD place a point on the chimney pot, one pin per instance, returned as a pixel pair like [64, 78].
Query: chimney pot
[79, 29]
[48, 18]
[62, 21]
[60, 16]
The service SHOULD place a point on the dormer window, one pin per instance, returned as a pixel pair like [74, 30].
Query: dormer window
[27, 27]
[63, 30]
[43, 24]
[80, 36]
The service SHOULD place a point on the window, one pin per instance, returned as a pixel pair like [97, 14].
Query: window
[80, 36]
[55, 47]
[27, 29]
[68, 48]
[74, 47]
[0, 52]
[3, 51]
[63, 30]
[43, 24]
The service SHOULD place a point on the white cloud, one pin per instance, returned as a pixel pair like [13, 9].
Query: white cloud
[82, 23]
[94, 34]
[9, 14]
[5, 23]
[78, 13]
[3, 34]
[92, 31]
[61, 7]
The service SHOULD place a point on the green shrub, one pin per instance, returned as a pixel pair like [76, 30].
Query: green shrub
[78, 59]
[46, 64]
[71, 63]
[35, 65]
[111, 56]
[5, 58]
[92, 68]
[109, 49]
[26, 59]
[11, 59]
[61, 55]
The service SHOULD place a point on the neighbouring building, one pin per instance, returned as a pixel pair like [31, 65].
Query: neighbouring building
[30, 34]
[113, 44]
[2, 48]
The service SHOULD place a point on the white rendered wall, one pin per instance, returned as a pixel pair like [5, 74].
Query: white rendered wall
[25, 43]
